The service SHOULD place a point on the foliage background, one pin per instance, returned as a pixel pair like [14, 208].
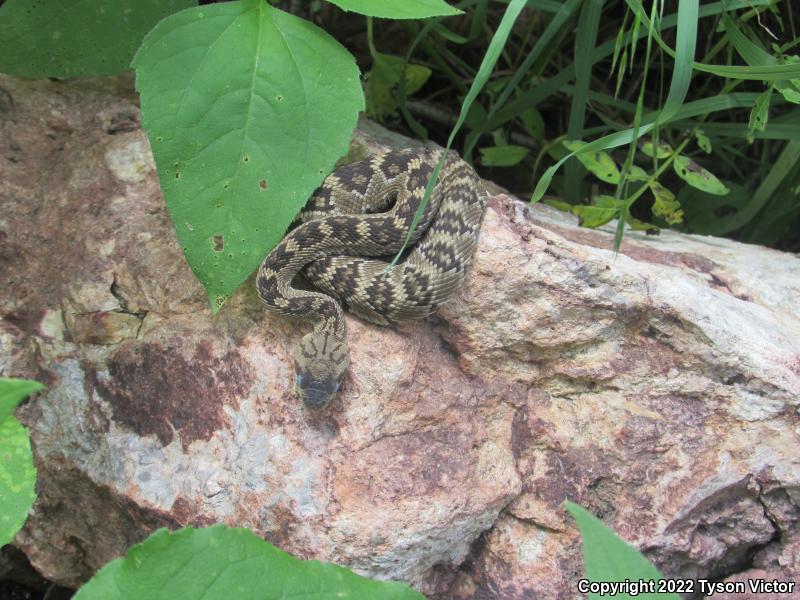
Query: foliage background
[535, 100]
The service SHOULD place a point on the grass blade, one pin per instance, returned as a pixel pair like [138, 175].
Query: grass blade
[487, 66]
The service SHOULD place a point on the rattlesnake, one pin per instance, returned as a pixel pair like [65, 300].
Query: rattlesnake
[342, 222]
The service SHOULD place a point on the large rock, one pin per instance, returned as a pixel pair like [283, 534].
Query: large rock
[658, 388]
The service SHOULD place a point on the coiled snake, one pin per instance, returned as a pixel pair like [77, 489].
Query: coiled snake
[364, 209]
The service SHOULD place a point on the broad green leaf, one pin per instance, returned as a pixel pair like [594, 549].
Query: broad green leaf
[599, 163]
[702, 141]
[17, 478]
[503, 156]
[68, 38]
[382, 79]
[533, 122]
[666, 205]
[17, 473]
[394, 9]
[698, 177]
[637, 173]
[594, 216]
[661, 150]
[475, 116]
[608, 558]
[247, 109]
[14, 391]
[638, 225]
[219, 563]
[759, 114]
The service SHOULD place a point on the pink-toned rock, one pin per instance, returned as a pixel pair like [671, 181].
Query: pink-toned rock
[659, 388]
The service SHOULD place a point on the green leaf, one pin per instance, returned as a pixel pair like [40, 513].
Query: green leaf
[533, 122]
[606, 201]
[558, 204]
[791, 89]
[666, 205]
[702, 141]
[382, 79]
[698, 177]
[599, 214]
[638, 225]
[759, 114]
[621, 70]
[218, 563]
[610, 559]
[594, 216]
[17, 473]
[637, 173]
[247, 109]
[598, 163]
[503, 156]
[14, 391]
[661, 150]
[394, 9]
[67, 38]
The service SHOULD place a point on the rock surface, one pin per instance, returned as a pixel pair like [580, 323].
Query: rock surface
[659, 388]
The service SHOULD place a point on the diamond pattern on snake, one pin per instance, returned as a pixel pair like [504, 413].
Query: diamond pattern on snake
[342, 244]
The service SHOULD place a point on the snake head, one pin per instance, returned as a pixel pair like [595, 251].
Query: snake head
[320, 361]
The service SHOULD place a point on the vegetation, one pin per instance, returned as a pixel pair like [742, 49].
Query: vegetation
[221, 563]
[17, 473]
[685, 119]
[715, 88]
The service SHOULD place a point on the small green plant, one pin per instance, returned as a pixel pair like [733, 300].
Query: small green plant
[222, 563]
[609, 559]
[721, 75]
[664, 207]
[17, 473]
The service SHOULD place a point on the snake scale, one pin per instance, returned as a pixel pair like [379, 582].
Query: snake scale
[343, 239]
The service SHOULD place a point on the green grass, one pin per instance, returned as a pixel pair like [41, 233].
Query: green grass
[724, 75]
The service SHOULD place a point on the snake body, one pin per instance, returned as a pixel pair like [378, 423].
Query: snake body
[346, 234]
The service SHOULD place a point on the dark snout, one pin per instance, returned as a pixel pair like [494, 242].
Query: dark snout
[315, 399]
[317, 393]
